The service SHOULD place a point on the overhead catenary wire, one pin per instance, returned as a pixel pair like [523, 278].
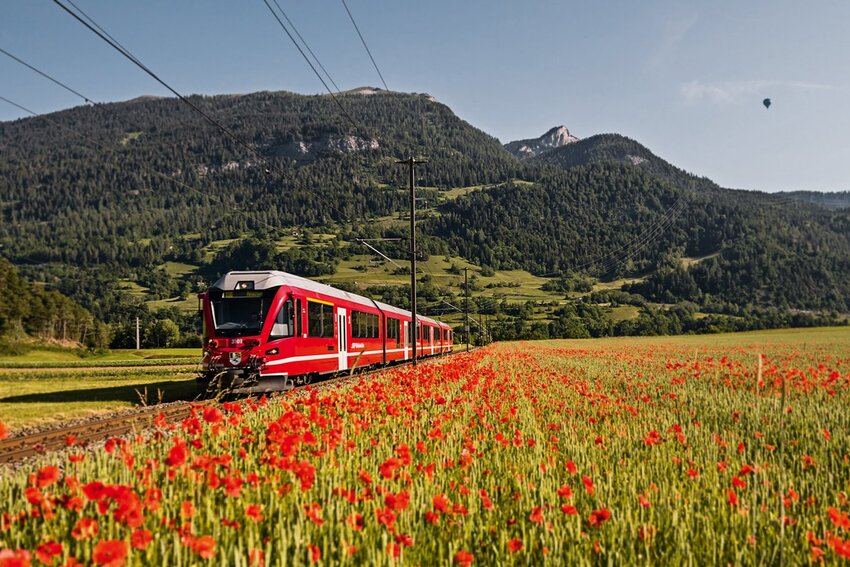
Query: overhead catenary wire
[46, 76]
[95, 28]
[351, 17]
[306, 45]
[651, 232]
[97, 145]
[102, 34]
[313, 67]
[641, 243]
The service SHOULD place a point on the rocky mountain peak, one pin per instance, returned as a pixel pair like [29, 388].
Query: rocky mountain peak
[553, 138]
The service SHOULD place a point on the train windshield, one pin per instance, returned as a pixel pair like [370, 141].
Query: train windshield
[238, 314]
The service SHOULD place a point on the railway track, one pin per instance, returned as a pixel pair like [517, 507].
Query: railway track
[19, 448]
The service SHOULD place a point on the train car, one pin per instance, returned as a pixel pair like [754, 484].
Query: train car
[269, 330]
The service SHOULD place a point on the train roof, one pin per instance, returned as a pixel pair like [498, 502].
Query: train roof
[272, 278]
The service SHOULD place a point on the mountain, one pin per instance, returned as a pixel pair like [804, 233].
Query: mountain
[617, 149]
[556, 137]
[832, 201]
[144, 197]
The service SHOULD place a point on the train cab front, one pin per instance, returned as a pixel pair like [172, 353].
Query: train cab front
[234, 314]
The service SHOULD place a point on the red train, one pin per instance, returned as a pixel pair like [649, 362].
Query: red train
[269, 330]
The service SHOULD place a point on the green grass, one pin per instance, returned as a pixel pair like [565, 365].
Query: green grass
[187, 305]
[615, 284]
[362, 271]
[130, 137]
[178, 269]
[46, 397]
[132, 288]
[687, 262]
[121, 357]
[624, 313]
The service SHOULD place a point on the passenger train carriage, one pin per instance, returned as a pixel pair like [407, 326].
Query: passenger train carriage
[268, 330]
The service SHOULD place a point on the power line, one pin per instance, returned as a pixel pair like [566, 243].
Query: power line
[310, 63]
[295, 29]
[364, 45]
[100, 147]
[97, 30]
[46, 76]
[115, 44]
[607, 257]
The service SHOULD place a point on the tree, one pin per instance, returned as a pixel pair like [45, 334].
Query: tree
[162, 333]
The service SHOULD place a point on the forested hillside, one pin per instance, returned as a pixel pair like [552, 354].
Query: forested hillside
[28, 310]
[133, 207]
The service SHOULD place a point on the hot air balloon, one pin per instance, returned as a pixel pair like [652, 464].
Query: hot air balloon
[766, 103]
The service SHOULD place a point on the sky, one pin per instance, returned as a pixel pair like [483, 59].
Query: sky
[684, 78]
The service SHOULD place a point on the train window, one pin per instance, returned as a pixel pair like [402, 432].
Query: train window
[320, 319]
[364, 325]
[393, 330]
[284, 323]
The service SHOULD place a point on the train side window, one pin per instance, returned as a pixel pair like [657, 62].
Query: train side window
[393, 332]
[364, 325]
[284, 323]
[320, 319]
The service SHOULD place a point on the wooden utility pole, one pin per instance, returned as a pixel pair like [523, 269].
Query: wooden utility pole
[411, 162]
[138, 336]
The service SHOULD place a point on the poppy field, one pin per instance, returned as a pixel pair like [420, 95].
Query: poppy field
[702, 450]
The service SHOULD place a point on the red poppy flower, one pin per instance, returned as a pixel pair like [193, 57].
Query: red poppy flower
[141, 539]
[839, 518]
[177, 454]
[14, 558]
[255, 512]
[47, 551]
[536, 515]
[356, 521]
[731, 497]
[389, 466]
[110, 553]
[314, 513]
[204, 546]
[315, 553]
[514, 545]
[47, 476]
[441, 503]
[85, 528]
[588, 484]
[565, 491]
[569, 510]
[463, 558]
[398, 501]
[394, 550]
[599, 517]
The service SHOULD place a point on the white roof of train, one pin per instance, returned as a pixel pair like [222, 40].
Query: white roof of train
[273, 278]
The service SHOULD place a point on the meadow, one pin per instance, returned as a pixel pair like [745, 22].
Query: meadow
[728, 449]
[46, 387]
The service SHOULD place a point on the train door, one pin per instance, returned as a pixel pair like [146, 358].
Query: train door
[342, 338]
[405, 335]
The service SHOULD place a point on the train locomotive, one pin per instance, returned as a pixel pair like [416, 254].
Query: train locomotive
[270, 330]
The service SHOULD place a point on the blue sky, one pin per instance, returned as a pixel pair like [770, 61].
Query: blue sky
[684, 78]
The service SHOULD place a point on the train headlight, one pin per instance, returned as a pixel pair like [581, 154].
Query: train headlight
[244, 285]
